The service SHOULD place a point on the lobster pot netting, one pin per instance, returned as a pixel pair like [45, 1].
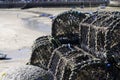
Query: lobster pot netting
[41, 51]
[100, 34]
[94, 69]
[114, 13]
[66, 26]
[64, 59]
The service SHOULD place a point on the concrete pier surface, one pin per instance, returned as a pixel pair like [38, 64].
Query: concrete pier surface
[19, 28]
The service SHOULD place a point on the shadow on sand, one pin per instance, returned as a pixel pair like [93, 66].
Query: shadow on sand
[5, 58]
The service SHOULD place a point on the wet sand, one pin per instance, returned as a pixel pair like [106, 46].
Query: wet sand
[19, 28]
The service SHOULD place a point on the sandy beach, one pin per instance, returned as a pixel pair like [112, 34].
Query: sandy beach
[19, 29]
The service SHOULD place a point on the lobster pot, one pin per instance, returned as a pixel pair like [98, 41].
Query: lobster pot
[41, 51]
[100, 34]
[65, 27]
[63, 60]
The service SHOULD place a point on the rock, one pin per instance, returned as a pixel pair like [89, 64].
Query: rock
[2, 56]
[26, 72]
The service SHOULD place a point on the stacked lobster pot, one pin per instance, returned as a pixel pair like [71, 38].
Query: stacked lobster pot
[81, 47]
[65, 27]
[41, 51]
[101, 34]
[70, 62]
[43, 46]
